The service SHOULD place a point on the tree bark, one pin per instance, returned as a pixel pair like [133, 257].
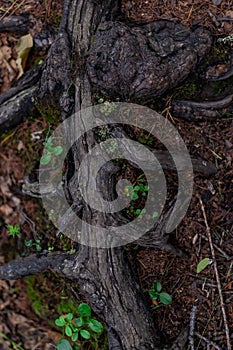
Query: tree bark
[104, 275]
[9, 24]
[19, 102]
[33, 264]
[202, 111]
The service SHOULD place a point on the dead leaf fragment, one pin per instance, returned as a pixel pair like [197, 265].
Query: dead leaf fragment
[20, 146]
[4, 190]
[6, 51]
[13, 64]
[23, 48]
[14, 202]
[229, 13]
[6, 210]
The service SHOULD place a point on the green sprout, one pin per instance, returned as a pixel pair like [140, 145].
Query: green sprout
[145, 139]
[158, 297]
[35, 244]
[13, 230]
[133, 191]
[78, 329]
[49, 150]
[103, 134]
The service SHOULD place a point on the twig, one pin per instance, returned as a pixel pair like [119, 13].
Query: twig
[191, 326]
[225, 19]
[30, 223]
[227, 257]
[217, 276]
[181, 341]
[209, 342]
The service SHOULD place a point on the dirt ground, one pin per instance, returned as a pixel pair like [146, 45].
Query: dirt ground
[29, 307]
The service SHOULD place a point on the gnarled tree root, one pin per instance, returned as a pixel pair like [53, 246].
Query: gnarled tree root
[203, 111]
[105, 276]
[20, 101]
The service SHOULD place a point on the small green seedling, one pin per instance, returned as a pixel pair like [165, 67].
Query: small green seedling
[83, 328]
[49, 150]
[134, 191]
[158, 297]
[32, 244]
[103, 134]
[145, 139]
[13, 230]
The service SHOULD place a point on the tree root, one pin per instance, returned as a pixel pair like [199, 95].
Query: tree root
[203, 111]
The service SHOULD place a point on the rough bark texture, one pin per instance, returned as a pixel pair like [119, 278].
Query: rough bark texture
[9, 24]
[19, 102]
[142, 62]
[105, 276]
[33, 264]
[107, 280]
[201, 111]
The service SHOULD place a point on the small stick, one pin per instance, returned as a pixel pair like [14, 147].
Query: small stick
[191, 326]
[227, 257]
[209, 342]
[225, 19]
[217, 276]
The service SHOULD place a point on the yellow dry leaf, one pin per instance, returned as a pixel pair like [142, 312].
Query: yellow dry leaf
[229, 13]
[23, 48]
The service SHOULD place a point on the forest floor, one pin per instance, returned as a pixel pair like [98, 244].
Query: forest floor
[29, 307]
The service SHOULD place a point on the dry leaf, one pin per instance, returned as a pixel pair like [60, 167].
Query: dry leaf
[13, 64]
[6, 51]
[14, 202]
[5, 191]
[229, 14]
[227, 26]
[5, 210]
[1, 57]
[11, 71]
[23, 48]
[20, 146]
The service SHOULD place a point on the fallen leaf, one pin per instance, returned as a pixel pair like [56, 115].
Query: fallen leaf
[13, 64]
[11, 71]
[23, 48]
[227, 25]
[5, 191]
[229, 13]
[6, 210]
[3, 305]
[14, 202]
[3, 284]
[1, 58]
[20, 146]
[6, 51]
